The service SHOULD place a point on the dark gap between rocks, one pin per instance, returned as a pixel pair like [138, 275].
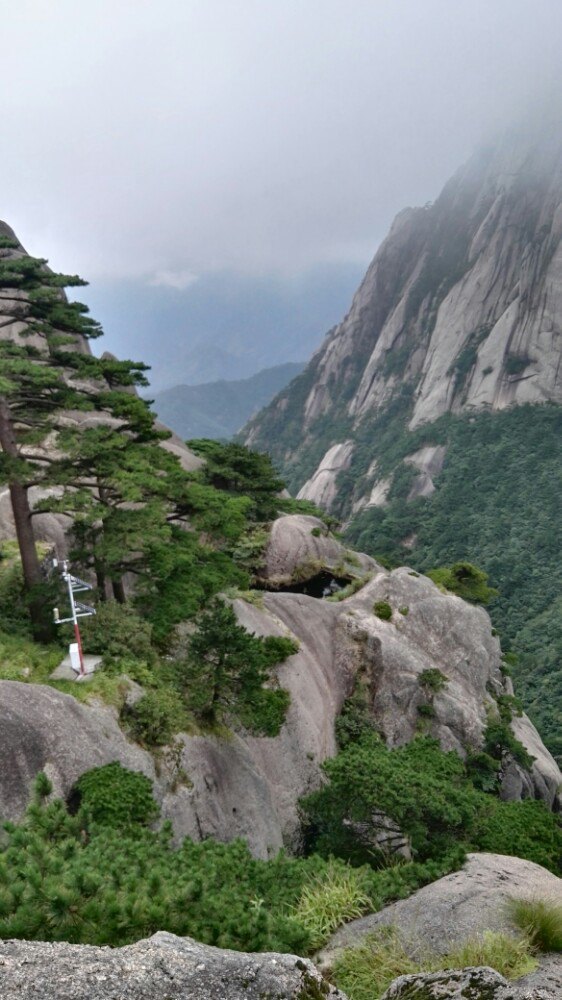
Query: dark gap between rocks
[324, 584]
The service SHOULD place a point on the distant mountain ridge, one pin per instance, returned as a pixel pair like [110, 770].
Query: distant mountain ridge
[219, 409]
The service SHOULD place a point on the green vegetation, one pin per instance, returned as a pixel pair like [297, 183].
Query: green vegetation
[540, 920]
[382, 610]
[224, 674]
[430, 796]
[432, 680]
[331, 899]
[366, 972]
[103, 876]
[115, 797]
[465, 580]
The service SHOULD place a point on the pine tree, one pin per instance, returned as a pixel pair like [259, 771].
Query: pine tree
[227, 668]
[46, 371]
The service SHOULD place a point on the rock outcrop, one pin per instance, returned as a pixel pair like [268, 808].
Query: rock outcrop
[163, 966]
[455, 908]
[479, 983]
[248, 786]
[300, 547]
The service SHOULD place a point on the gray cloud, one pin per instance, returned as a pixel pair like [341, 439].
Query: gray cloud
[166, 140]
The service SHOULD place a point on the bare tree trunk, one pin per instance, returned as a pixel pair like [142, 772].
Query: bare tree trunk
[22, 517]
[100, 581]
[119, 591]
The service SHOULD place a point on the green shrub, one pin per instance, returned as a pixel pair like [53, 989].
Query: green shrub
[524, 829]
[465, 580]
[15, 601]
[155, 718]
[540, 920]
[515, 364]
[109, 881]
[117, 630]
[426, 711]
[382, 610]
[264, 712]
[113, 796]
[355, 718]
[483, 771]
[404, 611]
[500, 741]
[429, 795]
[424, 790]
[433, 680]
[349, 589]
[226, 676]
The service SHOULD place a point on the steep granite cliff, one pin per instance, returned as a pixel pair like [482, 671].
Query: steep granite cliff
[462, 303]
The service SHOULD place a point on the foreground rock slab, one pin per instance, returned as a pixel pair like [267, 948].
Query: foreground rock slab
[469, 984]
[163, 967]
[460, 906]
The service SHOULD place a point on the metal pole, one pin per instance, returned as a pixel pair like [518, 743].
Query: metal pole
[68, 579]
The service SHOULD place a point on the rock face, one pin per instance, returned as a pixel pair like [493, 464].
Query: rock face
[248, 786]
[462, 305]
[458, 907]
[44, 730]
[300, 547]
[469, 984]
[322, 488]
[164, 966]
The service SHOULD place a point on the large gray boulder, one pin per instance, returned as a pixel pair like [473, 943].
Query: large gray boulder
[42, 729]
[163, 967]
[457, 907]
[300, 547]
[474, 984]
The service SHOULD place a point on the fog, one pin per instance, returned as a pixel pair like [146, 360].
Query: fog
[159, 143]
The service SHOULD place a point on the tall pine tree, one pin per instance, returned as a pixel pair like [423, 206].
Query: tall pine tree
[47, 373]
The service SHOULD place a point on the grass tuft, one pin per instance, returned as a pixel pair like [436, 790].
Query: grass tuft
[366, 972]
[330, 900]
[540, 920]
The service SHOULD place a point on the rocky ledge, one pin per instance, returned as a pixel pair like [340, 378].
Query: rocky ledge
[163, 966]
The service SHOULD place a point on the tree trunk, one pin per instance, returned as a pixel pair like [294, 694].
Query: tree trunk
[119, 591]
[31, 568]
[100, 581]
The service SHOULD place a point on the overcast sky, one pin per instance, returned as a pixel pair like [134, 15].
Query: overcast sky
[162, 139]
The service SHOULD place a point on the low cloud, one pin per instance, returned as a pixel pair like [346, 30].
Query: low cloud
[174, 279]
[185, 137]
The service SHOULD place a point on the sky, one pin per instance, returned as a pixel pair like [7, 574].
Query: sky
[164, 145]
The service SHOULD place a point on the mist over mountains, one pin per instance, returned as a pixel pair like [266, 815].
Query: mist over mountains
[223, 325]
[219, 409]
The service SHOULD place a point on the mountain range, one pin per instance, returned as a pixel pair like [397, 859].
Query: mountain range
[219, 409]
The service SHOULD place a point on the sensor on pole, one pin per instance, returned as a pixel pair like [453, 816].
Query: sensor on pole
[77, 610]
